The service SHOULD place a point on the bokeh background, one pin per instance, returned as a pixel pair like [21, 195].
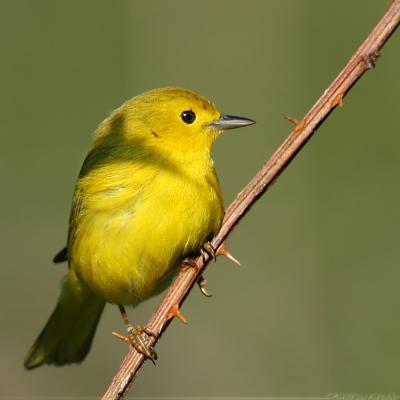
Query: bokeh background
[315, 307]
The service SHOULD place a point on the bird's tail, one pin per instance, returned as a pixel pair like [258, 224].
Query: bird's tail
[69, 332]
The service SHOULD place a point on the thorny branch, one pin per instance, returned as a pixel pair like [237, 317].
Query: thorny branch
[361, 61]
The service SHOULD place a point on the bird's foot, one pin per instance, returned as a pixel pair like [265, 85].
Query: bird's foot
[208, 250]
[188, 263]
[136, 340]
[212, 253]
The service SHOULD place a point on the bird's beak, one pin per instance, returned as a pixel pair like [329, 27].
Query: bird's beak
[230, 122]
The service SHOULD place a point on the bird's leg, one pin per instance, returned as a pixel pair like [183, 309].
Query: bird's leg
[124, 315]
[207, 249]
[134, 337]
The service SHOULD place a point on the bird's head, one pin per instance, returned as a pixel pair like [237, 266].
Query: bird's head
[173, 120]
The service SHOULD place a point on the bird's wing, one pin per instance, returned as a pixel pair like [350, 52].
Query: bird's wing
[109, 179]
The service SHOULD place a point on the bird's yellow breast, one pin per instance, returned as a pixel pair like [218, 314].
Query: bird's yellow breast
[135, 222]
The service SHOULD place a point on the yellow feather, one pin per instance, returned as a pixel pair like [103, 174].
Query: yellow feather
[146, 197]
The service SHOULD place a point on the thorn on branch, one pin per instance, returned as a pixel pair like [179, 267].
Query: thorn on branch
[299, 124]
[337, 101]
[294, 121]
[223, 251]
[176, 312]
[370, 59]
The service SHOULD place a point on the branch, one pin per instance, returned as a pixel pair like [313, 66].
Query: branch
[361, 61]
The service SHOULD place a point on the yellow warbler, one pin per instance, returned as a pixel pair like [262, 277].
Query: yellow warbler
[146, 197]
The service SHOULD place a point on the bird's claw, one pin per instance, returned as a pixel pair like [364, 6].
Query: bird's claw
[208, 249]
[136, 340]
[202, 285]
[188, 263]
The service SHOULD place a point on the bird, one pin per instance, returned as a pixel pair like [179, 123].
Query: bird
[146, 197]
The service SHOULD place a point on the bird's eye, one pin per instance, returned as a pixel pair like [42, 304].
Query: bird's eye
[188, 117]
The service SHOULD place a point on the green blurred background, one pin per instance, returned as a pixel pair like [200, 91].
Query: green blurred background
[315, 307]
